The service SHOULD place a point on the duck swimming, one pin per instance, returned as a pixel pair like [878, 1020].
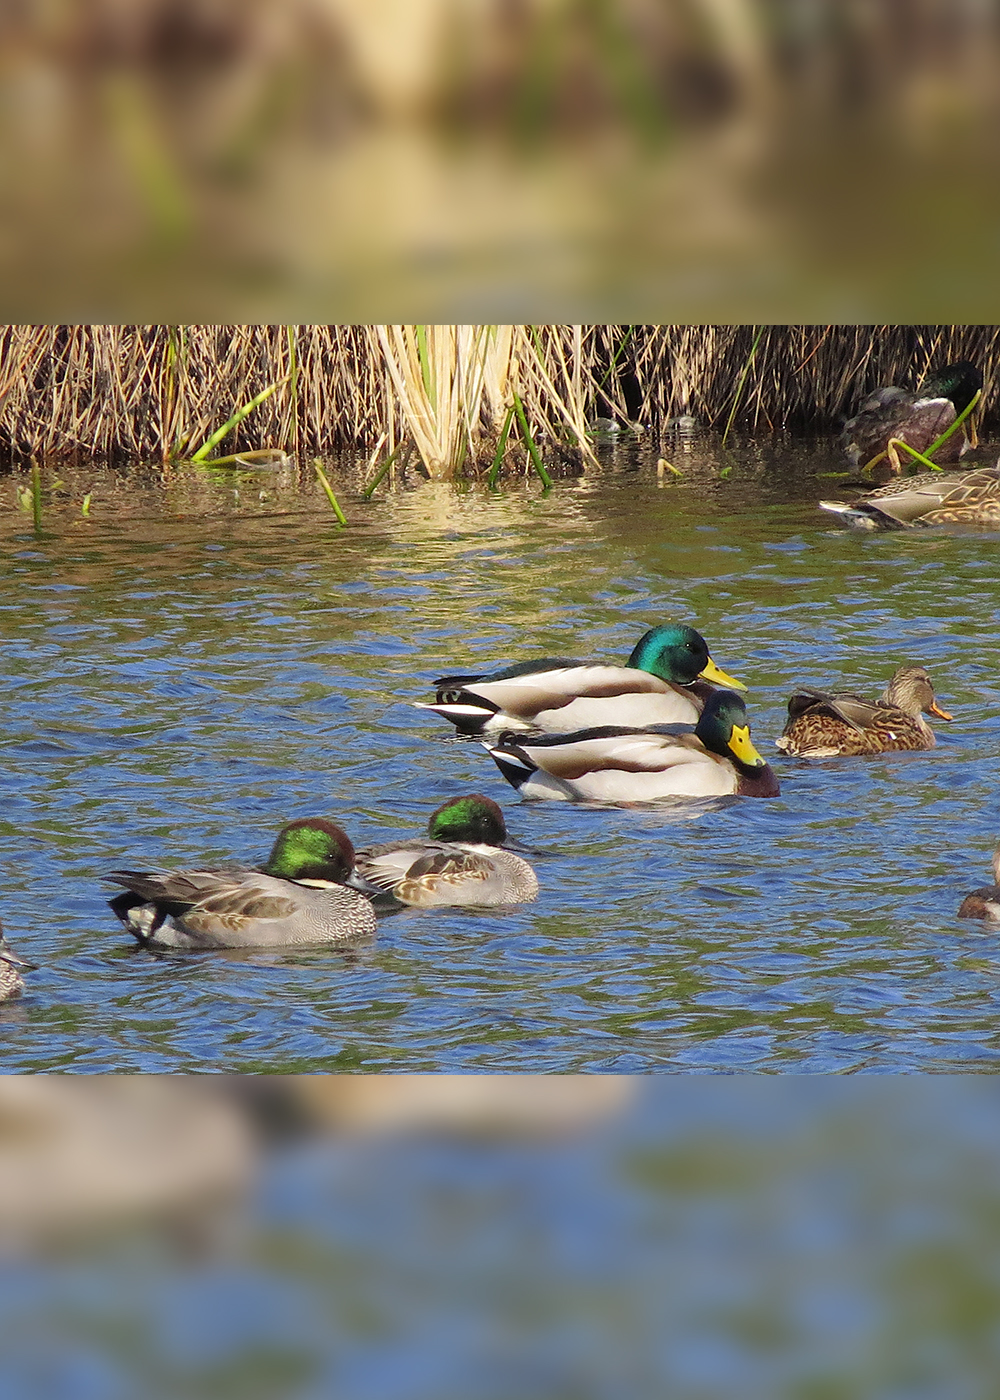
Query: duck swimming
[932, 498]
[300, 897]
[984, 903]
[822, 725]
[612, 763]
[11, 967]
[460, 861]
[890, 415]
[666, 680]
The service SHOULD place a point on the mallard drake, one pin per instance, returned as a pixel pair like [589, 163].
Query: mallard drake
[984, 903]
[821, 725]
[892, 415]
[666, 680]
[932, 498]
[611, 763]
[460, 861]
[299, 897]
[11, 967]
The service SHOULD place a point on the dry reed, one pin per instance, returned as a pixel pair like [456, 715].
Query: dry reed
[160, 392]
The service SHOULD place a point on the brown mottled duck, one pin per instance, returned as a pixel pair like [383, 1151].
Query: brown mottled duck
[932, 498]
[891, 416]
[823, 725]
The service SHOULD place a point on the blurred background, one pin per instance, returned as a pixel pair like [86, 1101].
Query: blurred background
[295, 160]
[455, 1238]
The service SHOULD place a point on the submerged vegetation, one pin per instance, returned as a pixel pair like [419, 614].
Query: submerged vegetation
[471, 400]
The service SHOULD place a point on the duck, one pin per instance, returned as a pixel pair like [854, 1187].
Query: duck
[984, 903]
[615, 764]
[307, 893]
[666, 680]
[822, 725]
[931, 498]
[11, 967]
[461, 860]
[891, 416]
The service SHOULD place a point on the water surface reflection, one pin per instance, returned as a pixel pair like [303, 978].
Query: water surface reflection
[202, 658]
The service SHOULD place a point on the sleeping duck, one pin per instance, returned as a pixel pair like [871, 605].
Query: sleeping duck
[612, 763]
[822, 725]
[300, 897]
[890, 416]
[666, 680]
[461, 860]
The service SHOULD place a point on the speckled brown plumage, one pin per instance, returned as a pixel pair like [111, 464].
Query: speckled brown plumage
[823, 725]
[932, 498]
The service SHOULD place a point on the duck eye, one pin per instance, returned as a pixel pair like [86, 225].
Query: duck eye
[449, 697]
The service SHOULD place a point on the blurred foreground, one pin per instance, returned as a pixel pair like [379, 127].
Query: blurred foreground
[311, 160]
[441, 1237]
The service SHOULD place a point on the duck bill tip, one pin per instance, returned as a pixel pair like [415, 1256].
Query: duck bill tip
[743, 747]
[717, 676]
[935, 709]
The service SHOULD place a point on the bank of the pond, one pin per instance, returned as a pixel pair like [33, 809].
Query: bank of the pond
[470, 399]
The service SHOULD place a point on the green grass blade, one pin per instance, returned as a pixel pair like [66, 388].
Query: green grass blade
[237, 417]
[334, 503]
[530, 441]
[742, 380]
[36, 494]
[380, 474]
[957, 423]
[425, 366]
[494, 471]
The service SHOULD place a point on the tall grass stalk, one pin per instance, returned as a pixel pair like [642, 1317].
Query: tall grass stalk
[740, 382]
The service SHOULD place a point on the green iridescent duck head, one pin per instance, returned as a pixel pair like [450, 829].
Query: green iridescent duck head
[474, 819]
[678, 654]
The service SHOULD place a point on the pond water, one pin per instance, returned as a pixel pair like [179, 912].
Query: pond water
[200, 659]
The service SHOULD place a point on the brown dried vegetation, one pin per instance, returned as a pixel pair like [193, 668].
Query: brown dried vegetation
[158, 392]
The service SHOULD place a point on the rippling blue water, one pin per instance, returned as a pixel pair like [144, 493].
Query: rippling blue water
[198, 662]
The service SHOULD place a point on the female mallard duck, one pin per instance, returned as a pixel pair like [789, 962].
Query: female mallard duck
[892, 415]
[666, 680]
[821, 725]
[932, 498]
[984, 903]
[460, 861]
[614, 764]
[299, 897]
[11, 967]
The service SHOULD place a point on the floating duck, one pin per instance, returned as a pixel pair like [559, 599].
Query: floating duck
[11, 967]
[460, 861]
[301, 896]
[612, 763]
[890, 416]
[666, 680]
[984, 903]
[821, 725]
[932, 498]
